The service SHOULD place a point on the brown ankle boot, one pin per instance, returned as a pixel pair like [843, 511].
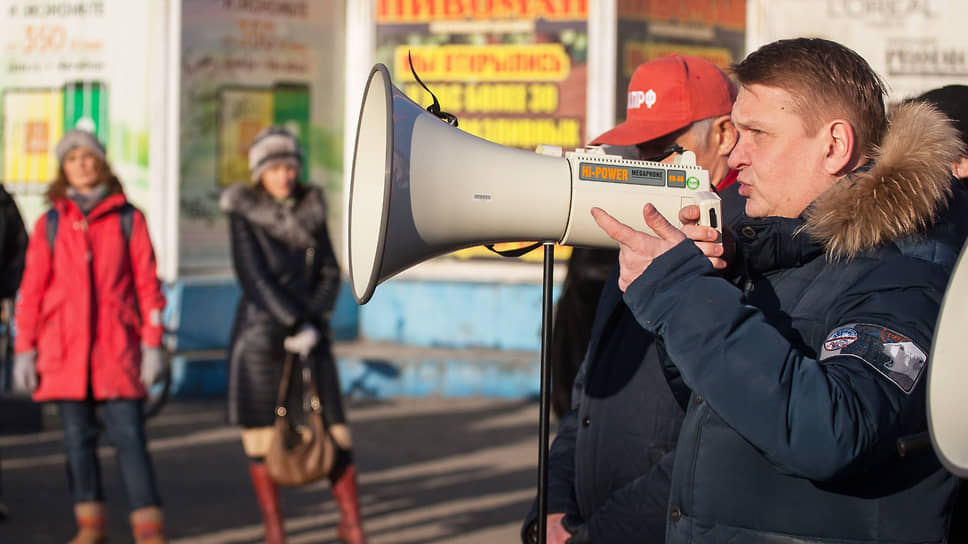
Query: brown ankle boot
[267, 493]
[148, 525]
[91, 523]
[347, 498]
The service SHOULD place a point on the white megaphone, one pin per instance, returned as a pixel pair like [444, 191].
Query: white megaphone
[422, 188]
[948, 375]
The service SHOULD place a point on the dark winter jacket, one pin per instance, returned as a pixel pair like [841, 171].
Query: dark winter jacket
[13, 245]
[588, 270]
[799, 401]
[625, 420]
[88, 304]
[285, 265]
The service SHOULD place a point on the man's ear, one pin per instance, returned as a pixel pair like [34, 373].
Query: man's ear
[723, 135]
[839, 147]
[960, 168]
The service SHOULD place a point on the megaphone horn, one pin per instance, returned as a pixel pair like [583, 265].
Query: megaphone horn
[421, 188]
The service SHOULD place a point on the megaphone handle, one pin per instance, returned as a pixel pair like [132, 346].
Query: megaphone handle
[545, 411]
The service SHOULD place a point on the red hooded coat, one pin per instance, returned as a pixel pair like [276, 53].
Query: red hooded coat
[88, 305]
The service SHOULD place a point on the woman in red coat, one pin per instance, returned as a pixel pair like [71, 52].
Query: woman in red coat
[89, 331]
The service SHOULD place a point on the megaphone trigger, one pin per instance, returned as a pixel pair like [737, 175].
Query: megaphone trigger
[710, 209]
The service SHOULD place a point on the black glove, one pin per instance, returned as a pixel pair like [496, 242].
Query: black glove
[578, 530]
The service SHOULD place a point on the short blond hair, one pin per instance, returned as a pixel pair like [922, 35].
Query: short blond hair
[827, 80]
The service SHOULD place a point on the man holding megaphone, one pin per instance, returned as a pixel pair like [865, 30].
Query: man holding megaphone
[803, 382]
[606, 482]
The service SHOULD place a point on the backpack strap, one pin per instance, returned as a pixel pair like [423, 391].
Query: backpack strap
[127, 220]
[51, 227]
[53, 218]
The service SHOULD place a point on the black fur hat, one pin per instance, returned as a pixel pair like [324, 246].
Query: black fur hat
[952, 101]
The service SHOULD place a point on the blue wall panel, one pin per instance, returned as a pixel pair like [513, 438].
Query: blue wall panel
[204, 312]
[384, 379]
[455, 314]
[449, 378]
[421, 314]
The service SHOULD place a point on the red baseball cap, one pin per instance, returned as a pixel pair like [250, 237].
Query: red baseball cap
[668, 94]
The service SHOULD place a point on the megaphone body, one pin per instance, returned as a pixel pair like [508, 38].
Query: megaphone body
[421, 188]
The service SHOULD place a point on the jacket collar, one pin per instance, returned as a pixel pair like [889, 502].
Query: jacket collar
[108, 204]
[770, 243]
[297, 225]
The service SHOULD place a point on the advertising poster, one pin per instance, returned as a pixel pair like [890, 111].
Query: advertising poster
[247, 65]
[915, 45]
[78, 64]
[513, 73]
[650, 29]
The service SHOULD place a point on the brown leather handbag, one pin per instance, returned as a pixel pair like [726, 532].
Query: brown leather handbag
[299, 454]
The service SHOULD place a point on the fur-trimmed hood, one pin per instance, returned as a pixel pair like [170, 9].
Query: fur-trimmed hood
[297, 225]
[901, 195]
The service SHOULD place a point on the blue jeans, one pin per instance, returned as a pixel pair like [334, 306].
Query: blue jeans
[121, 420]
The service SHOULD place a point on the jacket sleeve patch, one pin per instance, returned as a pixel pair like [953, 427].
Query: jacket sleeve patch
[890, 353]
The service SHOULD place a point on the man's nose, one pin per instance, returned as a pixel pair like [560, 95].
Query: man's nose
[738, 157]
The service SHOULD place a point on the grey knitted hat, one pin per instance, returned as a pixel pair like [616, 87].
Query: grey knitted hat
[270, 147]
[75, 138]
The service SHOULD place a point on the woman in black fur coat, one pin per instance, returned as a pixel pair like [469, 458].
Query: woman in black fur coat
[285, 265]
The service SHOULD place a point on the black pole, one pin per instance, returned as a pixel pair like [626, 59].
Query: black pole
[545, 417]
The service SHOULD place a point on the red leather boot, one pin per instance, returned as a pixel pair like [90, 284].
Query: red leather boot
[347, 499]
[267, 493]
[148, 525]
[91, 523]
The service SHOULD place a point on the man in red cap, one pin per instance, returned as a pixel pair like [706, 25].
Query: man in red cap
[610, 463]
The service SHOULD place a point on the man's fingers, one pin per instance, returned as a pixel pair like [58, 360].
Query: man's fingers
[618, 231]
[689, 215]
[710, 249]
[660, 225]
[699, 233]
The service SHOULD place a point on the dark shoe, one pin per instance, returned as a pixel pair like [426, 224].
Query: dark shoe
[267, 493]
[345, 492]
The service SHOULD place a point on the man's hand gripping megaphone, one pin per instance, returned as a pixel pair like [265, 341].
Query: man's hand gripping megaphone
[637, 249]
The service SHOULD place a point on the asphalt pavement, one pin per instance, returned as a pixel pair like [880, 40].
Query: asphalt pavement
[432, 469]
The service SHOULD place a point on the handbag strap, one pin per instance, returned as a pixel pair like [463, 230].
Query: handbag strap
[314, 402]
[284, 386]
